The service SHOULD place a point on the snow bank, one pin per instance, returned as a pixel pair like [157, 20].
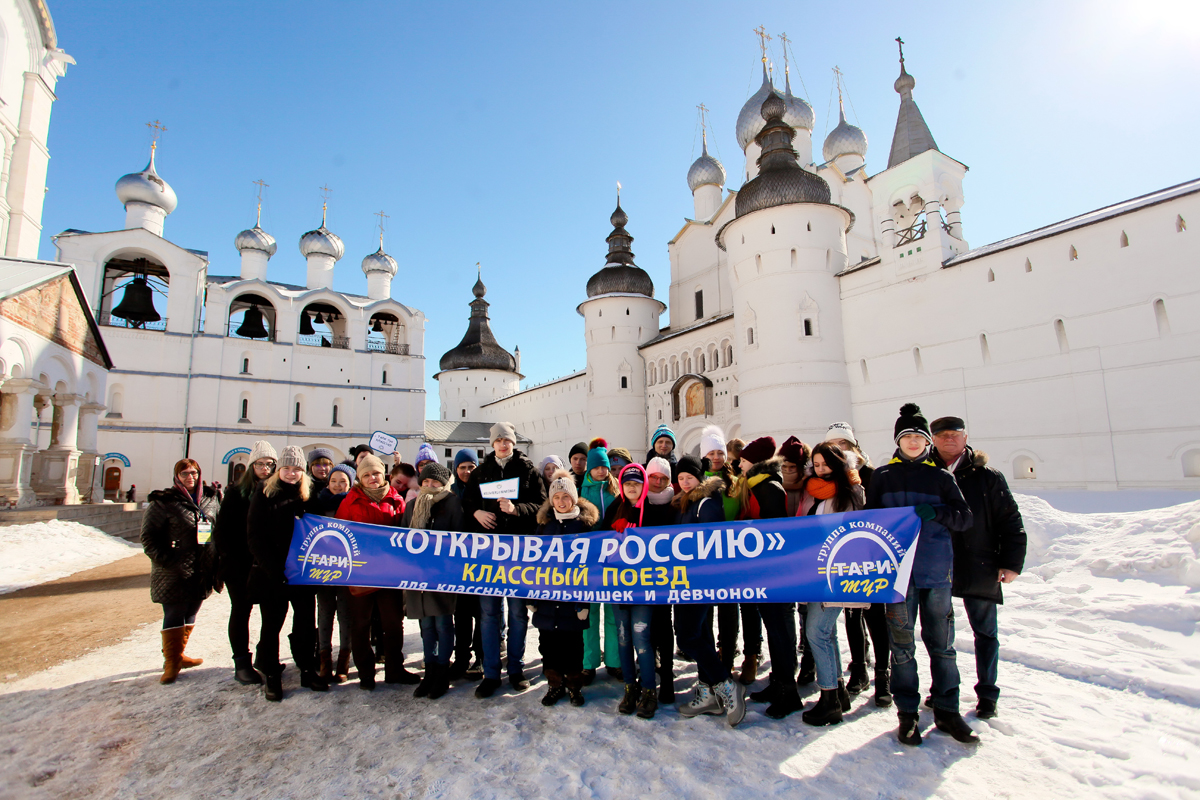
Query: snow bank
[45, 551]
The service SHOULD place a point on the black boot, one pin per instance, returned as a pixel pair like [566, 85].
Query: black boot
[951, 722]
[883, 688]
[787, 701]
[589, 675]
[244, 674]
[440, 683]
[311, 679]
[808, 669]
[647, 705]
[487, 687]
[422, 689]
[629, 702]
[273, 691]
[843, 695]
[458, 668]
[554, 694]
[986, 709]
[518, 681]
[397, 673]
[768, 693]
[305, 655]
[910, 730]
[859, 682]
[827, 711]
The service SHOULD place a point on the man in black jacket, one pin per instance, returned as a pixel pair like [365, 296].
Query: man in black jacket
[507, 517]
[988, 554]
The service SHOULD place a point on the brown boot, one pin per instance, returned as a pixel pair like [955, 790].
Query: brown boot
[172, 648]
[325, 664]
[343, 667]
[749, 669]
[185, 661]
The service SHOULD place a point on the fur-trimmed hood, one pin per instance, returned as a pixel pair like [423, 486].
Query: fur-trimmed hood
[710, 487]
[978, 458]
[772, 466]
[589, 515]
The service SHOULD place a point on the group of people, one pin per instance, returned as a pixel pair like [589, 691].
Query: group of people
[972, 541]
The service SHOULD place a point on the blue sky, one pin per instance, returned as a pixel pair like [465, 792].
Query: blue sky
[496, 133]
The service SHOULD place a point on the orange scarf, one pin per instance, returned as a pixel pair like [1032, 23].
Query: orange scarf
[822, 489]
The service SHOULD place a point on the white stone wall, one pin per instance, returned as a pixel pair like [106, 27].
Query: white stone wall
[552, 415]
[463, 392]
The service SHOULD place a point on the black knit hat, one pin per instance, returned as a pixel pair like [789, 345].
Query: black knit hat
[692, 466]
[580, 448]
[433, 469]
[911, 420]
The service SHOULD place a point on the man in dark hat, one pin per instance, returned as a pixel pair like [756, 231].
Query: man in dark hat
[989, 553]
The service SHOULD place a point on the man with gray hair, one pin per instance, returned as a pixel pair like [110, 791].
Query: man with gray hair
[511, 517]
[989, 553]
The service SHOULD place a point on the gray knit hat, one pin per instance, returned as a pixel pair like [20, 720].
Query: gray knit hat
[436, 471]
[320, 452]
[292, 456]
[503, 430]
[563, 481]
[262, 449]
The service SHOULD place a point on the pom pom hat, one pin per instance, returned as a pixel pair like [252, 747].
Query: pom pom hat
[563, 481]
[911, 420]
[711, 439]
[598, 454]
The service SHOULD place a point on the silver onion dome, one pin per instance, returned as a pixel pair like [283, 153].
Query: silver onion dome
[845, 139]
[256, 239]
[750, 121]
[799, 113]
[380, 261]
[147, 187]
[705, 170]
[322, 242]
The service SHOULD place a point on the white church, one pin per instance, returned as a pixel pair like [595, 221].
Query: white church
[820, 292]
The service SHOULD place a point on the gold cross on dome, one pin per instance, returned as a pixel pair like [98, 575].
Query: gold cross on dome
[763, 38]
[325, 191]
[261, 184]
[382, 216]
[703, 109]
[837, 76]
[158, 128]
[785, 41]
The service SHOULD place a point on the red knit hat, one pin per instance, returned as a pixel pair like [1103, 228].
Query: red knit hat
[760, 449]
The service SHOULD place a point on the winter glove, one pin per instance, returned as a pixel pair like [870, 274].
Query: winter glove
[582, 613]
[925, 511]
[620, 525]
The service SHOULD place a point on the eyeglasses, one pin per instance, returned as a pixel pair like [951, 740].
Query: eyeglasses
[191, 472]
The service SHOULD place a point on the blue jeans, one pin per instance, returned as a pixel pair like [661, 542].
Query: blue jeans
[982, 614]
[635, 642]
[693, 631]
[820, 628]
[518, 622]
[437, 637]
[176, 615]
[937, 631]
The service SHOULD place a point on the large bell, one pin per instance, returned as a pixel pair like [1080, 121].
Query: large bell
[306, 328]
[377, 327]
[319, 320]
[252, 324]
[137, 305]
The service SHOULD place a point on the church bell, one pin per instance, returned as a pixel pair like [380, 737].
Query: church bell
[252, 324]
[377, 327]
[306, 328]
[137, 306]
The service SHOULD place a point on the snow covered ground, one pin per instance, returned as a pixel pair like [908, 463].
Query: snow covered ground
[45, 551]
[1100, 699]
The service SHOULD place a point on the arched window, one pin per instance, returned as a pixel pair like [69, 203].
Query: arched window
[335, 423]
[984, 350]
[1023, 468]
[728, 355]
[808, 327]
[1180, 224]
[1191, 464]
[1124, 239]
[245, 366]
[1060, 331]
[866, 375]
[245, 410]
[702, 362]
[1160, 317]
[991, 276]
[116, 401]
[1028, 265]
[920, 365]
[296, 420]
[1072, 254]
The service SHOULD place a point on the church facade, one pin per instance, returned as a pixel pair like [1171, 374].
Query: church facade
[820, 292]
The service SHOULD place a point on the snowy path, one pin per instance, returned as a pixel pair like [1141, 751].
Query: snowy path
[1098, 682]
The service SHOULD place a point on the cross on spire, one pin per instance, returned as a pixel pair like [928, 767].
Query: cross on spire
[382, 216]
[158, 130]
[325, 192]
[763, 38]
[261, 185]
[618, 193]
[901, 43]
[837, 77]
[785, 41]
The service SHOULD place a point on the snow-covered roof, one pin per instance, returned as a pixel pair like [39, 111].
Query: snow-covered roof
[669, 334]
[572, 376]
[18, 275]
[1090, 218]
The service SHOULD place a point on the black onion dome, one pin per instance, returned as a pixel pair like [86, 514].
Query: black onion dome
[479, 348]
[780, 179]
[620, 275]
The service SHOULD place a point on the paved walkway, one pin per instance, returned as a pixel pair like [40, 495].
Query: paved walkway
[61, 620]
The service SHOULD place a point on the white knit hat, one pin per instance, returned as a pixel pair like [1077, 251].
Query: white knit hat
[262, 449]
[658, 465]
[563, 481]
[503, 430]
[292, 456]
[841, 430]
[711, 439]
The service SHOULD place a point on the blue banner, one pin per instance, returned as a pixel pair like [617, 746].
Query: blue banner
[860, 557]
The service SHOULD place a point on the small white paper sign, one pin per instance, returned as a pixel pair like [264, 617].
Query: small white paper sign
[383, 443]
[510, 488]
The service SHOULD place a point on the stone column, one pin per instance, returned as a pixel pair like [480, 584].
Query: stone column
[90, 476]
[16, 448]
[55, 470]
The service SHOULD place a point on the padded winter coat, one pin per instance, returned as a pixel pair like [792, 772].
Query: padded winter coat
[447, 516]
[767, 498]
[181, 569]
[229, 535]
[902, 483]
[269, 526]
[531, 495]
[996, 540]
[358, 507]
[704, 504]
[550, 615]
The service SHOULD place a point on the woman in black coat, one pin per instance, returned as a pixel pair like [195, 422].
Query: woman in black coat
[229, 536]
[177, 536]
[273, 511]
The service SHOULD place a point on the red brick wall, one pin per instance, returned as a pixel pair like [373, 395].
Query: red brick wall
[52, 310]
